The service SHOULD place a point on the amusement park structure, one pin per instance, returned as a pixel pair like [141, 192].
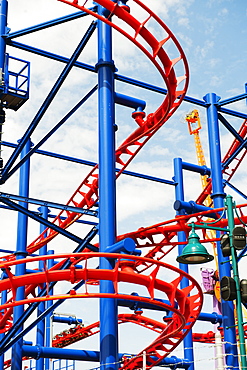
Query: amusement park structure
[77, 258]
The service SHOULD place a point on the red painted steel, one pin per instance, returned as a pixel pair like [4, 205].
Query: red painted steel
[86, 194]
[185, 304]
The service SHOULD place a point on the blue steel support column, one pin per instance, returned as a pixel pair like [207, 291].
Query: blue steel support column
[21, 253]
[218, 196]
[107, 192]
[40, 337]
[3, 25]
[179, 195]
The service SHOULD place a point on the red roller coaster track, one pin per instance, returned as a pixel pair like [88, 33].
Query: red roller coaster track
[185, 304]
[188, 300]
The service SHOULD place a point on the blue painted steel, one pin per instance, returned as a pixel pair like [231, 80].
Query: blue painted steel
[50, 216]
[218, 198]
[49, 204]
[232, 99]
[3, 25]
[92, 356]
[48, 316]
[40, 335]
[213, 317]
[107, 193]
[91, 68]
[230, 128]
[20, 254]
[246, 91]
[233, 156]
[48, 99]
[55, 128]
[235, 189]
[105, 69]
[126, 245]
[243, 143]
[233, 113]
[67, 320]
[214, 147]
[48, 55]
[42, 26]
[129, 101]
[192, 207]
[179, 196]
[16, 82]
[7, 342]
[203, 170]
[89, 163]
[51, 225]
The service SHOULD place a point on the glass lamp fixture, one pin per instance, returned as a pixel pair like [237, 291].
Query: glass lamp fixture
[194, 252]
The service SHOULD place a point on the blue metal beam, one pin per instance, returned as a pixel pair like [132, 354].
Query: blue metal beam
[49, 204]
[107, 193]
[235, 189]
[53, 22]
[192, 207]
[48, 99]
[52, 131]
[92, 356]
[129, 101]
[21, 253]
[41, 220]
[7, 342]
[218, 198]
[90, 68]
[232, 113]
[50, 216]
[179, 196]
[129, 80]
[70, 320]
[230, 128]
[232, 100]
[203, 170]
[89, 163]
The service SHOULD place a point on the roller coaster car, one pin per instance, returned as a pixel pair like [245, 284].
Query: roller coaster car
[14, 83]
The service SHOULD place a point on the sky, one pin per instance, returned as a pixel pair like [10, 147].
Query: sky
[213, 37]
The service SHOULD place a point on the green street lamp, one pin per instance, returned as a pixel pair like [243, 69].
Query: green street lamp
[238, 240]
[194, 252]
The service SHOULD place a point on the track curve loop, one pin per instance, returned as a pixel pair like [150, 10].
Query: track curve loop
[183, 304]
[86, 195]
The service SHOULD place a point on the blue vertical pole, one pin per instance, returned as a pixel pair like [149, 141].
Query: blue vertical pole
[107, 192]
[21, 253]
[40, 337]
[48, 322]
[179, 195]
[218, 196]
[3, 25]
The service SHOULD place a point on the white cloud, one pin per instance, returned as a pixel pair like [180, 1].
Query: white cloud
[139, 202]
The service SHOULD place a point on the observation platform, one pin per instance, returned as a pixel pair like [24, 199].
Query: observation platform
[14, 83]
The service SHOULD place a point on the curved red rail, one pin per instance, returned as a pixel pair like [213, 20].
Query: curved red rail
[170, 333]
[185, 304]
[86, 195]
